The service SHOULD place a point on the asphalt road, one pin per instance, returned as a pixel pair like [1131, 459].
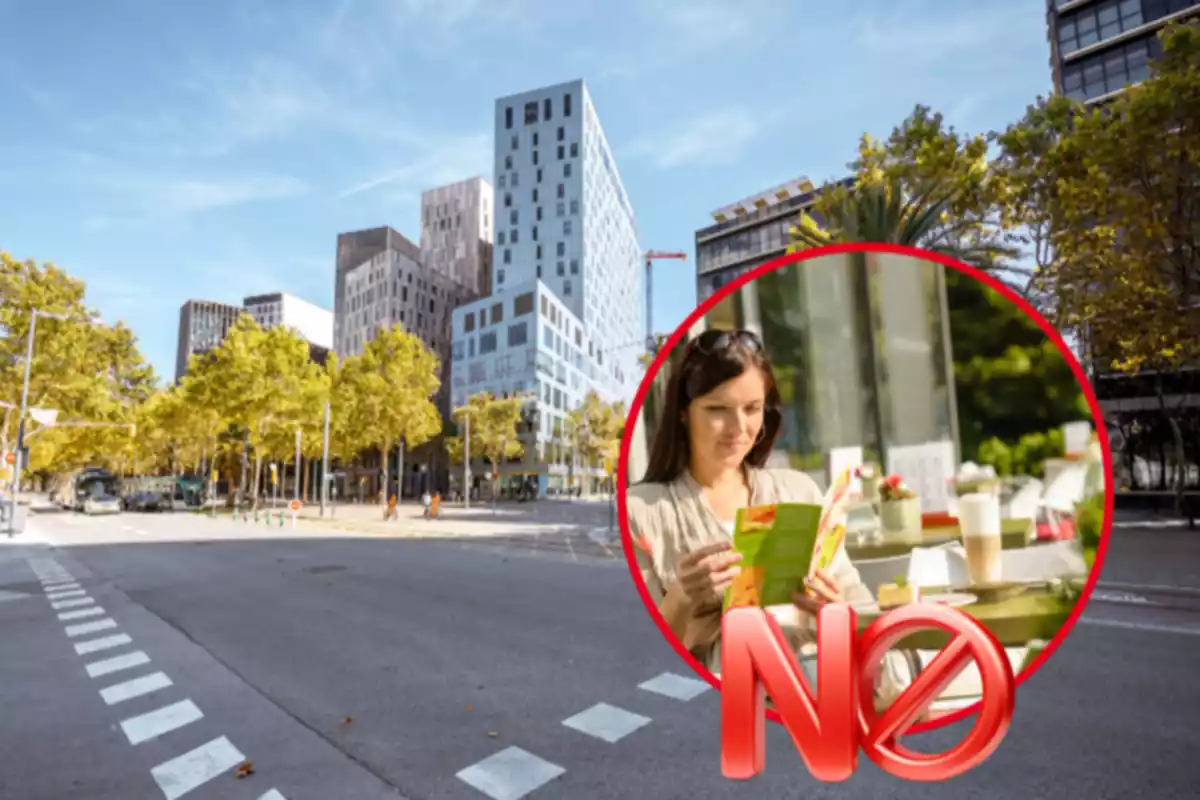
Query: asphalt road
[345, 668]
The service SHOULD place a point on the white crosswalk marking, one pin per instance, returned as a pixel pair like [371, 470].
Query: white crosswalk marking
[607, 723]
[196, 767]
[137, 687]
[94, 611]
[85, 628]
[65, 595]
[510, 774]
[108, 666]
[153, 724]
[675, 686]
[81, 601]
[104, 643]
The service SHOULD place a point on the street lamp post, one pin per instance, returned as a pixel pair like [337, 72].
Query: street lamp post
[325, 461]
[17, 465]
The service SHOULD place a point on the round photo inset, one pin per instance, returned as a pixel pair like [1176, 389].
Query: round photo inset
[875, 425]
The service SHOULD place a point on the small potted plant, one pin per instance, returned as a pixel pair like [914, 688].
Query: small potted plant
[899, 507]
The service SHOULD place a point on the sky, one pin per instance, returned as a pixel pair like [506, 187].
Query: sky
[169, 151]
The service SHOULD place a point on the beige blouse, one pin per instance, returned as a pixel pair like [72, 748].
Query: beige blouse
[667, 521]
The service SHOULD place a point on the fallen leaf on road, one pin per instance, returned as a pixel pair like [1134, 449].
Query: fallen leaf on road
[347, 720]
[244, 769]
[492, 734]
[468, 708]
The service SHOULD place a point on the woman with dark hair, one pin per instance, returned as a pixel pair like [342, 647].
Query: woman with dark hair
[720, 418]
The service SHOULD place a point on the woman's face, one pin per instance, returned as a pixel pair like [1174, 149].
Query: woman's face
[724, 424]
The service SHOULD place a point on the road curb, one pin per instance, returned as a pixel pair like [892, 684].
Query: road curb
[1149, 588]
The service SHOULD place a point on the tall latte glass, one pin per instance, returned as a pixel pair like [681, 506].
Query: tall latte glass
[979, 520]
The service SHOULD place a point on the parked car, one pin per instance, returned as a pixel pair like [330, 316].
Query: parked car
[146, 500]
[101, 504]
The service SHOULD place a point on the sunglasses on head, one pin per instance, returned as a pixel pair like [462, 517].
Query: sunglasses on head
[711, 341]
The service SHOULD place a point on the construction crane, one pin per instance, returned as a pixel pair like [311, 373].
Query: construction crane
[651, 256]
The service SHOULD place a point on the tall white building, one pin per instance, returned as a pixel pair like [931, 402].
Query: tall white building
[313, 323]
[456, 233]
[562, 217]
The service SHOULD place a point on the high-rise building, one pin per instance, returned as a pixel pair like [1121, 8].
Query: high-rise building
[456, 233]
[1098, 47]
[749, 233]
[311, 322]
[202, 326]
[392, 285]
[563, 217]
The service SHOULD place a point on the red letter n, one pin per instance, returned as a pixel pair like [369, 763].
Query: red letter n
[755, 657]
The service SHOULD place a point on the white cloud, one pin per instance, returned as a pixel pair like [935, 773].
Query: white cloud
[714, 139]
[454, 160]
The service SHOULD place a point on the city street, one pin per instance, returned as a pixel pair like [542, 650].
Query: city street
[148, 655]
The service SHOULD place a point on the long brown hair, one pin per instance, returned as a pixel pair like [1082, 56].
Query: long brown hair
[708, 361]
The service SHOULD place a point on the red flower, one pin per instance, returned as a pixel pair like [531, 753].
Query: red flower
[893, 481]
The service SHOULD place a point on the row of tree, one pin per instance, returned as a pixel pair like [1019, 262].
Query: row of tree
[241, 404]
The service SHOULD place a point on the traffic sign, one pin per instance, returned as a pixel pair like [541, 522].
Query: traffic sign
[295, 505]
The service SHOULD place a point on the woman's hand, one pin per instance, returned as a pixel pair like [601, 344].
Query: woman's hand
[820, 589]
[708, 570]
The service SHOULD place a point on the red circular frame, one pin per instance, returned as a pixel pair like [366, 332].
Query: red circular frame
[867, 247]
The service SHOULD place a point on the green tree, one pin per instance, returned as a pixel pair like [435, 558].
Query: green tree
[1129, 224]
[595, 429]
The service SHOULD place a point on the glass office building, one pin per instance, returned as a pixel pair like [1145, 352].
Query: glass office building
[860, 345]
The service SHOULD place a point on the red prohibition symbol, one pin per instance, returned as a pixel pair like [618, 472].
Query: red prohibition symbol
[829, 730]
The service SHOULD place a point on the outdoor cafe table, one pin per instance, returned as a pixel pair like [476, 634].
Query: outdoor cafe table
[1035, 614]
[1015, 533]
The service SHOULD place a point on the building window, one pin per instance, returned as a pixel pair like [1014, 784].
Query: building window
[566, 105]
[535, 230]
[538, 215]
[535, 194]
[500, 237]
[566, 227]
[1100, 22]
[574, 266]
[523, 304]
[500, 276]
[562, 151]
[471, 347]
[561, 208]
[574, 149]
[539, 251]
[531, 113]
[562, 191]
[497, 313]
[574, 207]
[507, 256]
[515, 179]
[508, 199]
[515, 141]
[487, 343]
[546, 109]
[518, 334]
[566, 288]
[545, 305]
[508, 117]
[561, 133]
[561, 249]
[500, 181]
[539, 270]
[535, 156]
[567, 170]
[508, 162]
[561, 269]
[513, 217]
[1108, 71]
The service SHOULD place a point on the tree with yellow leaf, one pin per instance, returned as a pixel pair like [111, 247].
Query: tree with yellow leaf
[1129, 223]
[393, 383]
[595, 429]
[495, 432]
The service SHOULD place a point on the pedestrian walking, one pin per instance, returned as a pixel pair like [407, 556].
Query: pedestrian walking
[392, 512]
[427, 501]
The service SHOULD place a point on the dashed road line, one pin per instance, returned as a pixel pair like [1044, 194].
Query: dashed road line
[607, 723]
[196, 767]
[84, 628]
[108, 666]
[160, 721]
[103, 643]
[510, 774]
[82, 613]
[136, 687]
